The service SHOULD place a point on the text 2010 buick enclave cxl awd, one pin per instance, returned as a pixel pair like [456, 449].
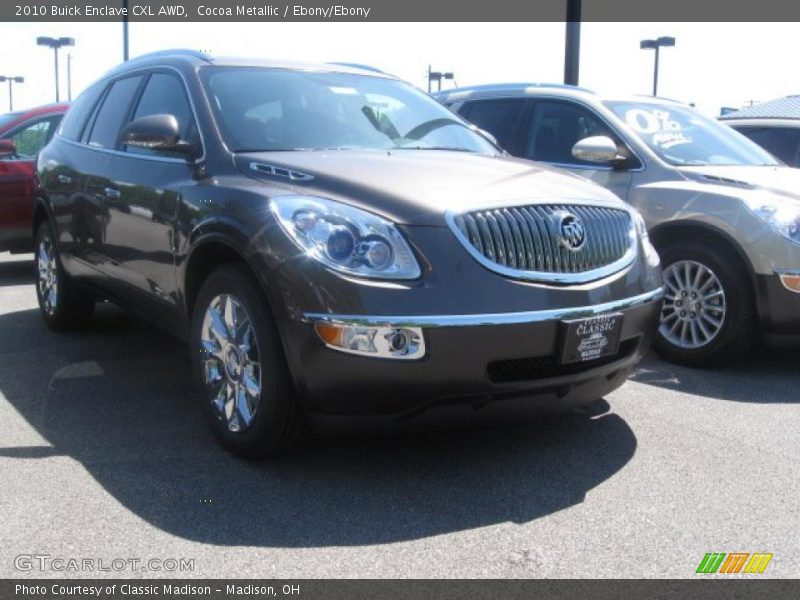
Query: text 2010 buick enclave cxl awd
[336, 246]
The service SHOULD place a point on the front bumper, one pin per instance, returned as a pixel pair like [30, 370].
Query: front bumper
[780, 302]
[474, 365]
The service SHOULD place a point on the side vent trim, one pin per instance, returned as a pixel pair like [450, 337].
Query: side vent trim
[280, 172]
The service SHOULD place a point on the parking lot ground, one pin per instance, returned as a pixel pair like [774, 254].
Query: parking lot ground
[104, 454]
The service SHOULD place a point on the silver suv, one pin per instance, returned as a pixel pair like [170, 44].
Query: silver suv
[722, 212]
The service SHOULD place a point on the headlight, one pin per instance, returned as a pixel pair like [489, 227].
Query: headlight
[782, 215]
[649, 250]
[346, 239]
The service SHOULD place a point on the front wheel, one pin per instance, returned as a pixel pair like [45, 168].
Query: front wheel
[708, 315]
[240, 369]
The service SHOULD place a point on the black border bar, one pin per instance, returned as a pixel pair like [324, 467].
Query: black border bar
[396, 10]
[701, 588]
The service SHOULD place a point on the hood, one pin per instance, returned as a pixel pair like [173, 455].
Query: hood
[781, 180]
[418, 186]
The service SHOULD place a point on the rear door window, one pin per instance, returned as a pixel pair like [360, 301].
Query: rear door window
[113, 112]
[501, 117]
[72, 126]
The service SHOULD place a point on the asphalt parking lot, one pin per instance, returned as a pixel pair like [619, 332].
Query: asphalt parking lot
[104, 454]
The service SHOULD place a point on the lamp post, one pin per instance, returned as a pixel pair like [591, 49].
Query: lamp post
[655, 44]
[55, 44]
[11, 80]
[437, 76]
[572, 43]
[69, 77]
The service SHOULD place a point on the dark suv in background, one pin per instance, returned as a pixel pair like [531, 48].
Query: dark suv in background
[336, 245]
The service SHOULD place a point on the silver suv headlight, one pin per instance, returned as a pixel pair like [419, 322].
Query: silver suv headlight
[782, 215]
[345, 238]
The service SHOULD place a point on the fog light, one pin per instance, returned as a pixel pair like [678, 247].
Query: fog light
[379, 342]
[790, 280]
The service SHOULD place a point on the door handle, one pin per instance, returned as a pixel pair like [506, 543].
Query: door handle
[112, 193]
[65, 179]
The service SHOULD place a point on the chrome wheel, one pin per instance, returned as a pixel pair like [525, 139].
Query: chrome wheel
[48, 275]
[230, 361]
[694, 305]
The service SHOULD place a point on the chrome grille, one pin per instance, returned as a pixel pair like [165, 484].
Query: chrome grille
[527, 241]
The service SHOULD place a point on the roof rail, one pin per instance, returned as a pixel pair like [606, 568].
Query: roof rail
[358, 66]
[173, 52]
[515, 86]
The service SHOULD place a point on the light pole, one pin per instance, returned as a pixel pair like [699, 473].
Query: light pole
[69, 77]
[572, 43]
[11, 80]
[437, 76]
[55, 44]
[125, 31]
[655, 44]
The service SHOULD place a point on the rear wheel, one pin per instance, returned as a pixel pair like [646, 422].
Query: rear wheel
[708, 316]
[61, 303]
[239, 366]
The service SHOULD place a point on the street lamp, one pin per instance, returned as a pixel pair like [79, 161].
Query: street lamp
[11, 80]
[655, 45]
[437, 76]
[55, 44]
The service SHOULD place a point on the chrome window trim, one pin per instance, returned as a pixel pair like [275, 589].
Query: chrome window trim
[479, 320]
[544, 276]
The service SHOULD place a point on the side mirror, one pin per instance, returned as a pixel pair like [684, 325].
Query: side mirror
[7, 149]
[156, 132]
[597, 149]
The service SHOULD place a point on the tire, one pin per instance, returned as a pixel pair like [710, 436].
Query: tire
[62, 304]
[733, 334]
[227, 368]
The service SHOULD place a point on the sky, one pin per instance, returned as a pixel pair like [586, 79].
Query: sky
[712, 64]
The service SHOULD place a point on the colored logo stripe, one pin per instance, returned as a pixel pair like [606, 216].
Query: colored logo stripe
[717, 561]
[758, 562]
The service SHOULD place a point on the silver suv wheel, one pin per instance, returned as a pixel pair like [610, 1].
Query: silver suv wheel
[48, 274]
[231, 365]
[694, 305]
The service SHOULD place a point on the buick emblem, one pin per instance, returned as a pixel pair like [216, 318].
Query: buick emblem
[571, 232]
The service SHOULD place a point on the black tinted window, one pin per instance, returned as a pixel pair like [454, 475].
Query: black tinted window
[556, 127]
[499, 117]
[781, 142]
[105, 131]
[75, 119]
[164, 95]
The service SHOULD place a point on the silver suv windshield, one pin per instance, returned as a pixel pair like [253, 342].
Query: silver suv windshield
[272, 109]
[682, 136]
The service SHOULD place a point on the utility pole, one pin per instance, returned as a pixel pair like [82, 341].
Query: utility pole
[55, 44]
[572, 44]
[11, 81]
[665, 42]
[125, 54]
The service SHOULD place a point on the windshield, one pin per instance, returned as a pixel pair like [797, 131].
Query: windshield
[683, 137]
[262, 109]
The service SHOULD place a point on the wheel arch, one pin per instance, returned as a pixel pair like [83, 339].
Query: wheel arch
[207, 253]
[689, 229]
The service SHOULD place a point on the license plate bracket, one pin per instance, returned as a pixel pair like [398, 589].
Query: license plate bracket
[590, 338]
